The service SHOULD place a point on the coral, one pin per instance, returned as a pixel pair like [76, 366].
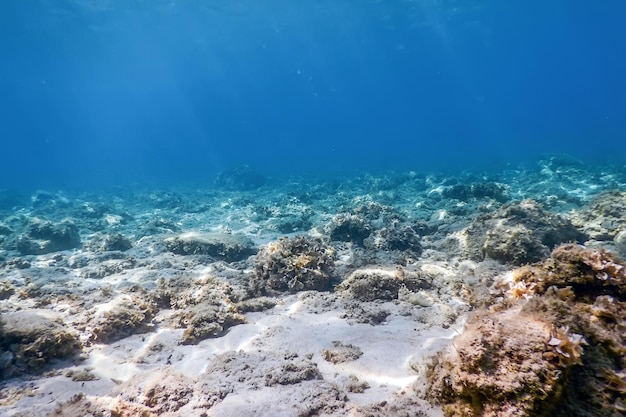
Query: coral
[295, 264]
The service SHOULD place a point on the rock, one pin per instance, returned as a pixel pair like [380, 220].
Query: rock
[32, 339]
[205, 307]
[377, 283]
[110, 242]
[349, 228]
[477, 190]
[605, 217]
[372, 284]
[554, 346]
[242, 178]
[340, 353]
[43, 236]
[296, 264]
[121, 317]
[620, 242]
[224, 246]
[518, 233]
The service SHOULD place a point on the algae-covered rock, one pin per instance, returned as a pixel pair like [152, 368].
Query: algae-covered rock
[587, 272]
[32, 339]
[396, 237]
[110, 242]
[477, 190]
[205, 307]
[371, 284]
[555, 345]
[378, 283]
[340, 353]
[224, 246]
[605, 217]
[295, 264]
[121, 317]
[349, 228]
[496, 367]
[6, 289]
[44, 236]
[209, 319]
[518, 233]
[5, 230]
[293, 373]
[242, 178]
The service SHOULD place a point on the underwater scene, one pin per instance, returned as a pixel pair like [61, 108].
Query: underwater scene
[276, 208]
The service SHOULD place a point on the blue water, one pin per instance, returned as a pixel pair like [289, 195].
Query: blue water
[115, 91]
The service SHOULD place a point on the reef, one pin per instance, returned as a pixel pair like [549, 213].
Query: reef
[395, 294]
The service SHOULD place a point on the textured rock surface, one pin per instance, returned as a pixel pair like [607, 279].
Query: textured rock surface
[31, 339]
[555, 345]
[219, 245]
[518, 233]
[605, 217]
[295, 264]
[44, 236]
[201, 332]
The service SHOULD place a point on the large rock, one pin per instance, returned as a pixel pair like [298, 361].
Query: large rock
[44, 236]
[554, 346]
[518, 233]
[296, 264]
[224, 246]
[241, 178]
[31, 339]
[605, 217]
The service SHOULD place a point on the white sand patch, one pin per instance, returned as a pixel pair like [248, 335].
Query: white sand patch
[392, 352]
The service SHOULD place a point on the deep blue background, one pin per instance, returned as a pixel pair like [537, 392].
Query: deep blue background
[114, 91]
